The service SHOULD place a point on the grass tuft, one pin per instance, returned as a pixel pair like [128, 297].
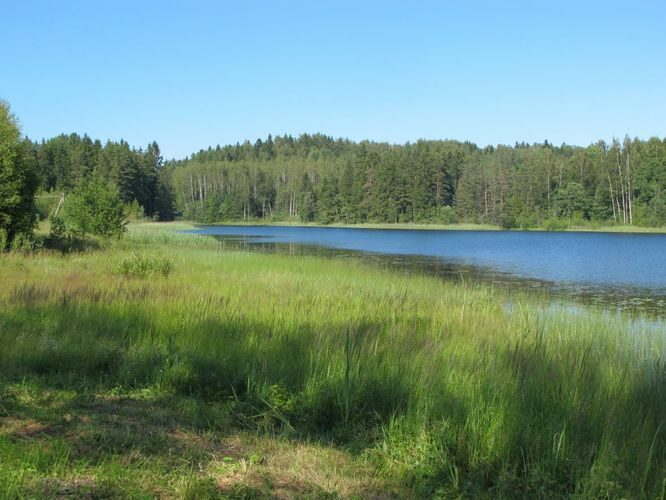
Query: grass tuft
[141, 266]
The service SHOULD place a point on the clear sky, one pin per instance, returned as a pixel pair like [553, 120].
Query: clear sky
[190, 74]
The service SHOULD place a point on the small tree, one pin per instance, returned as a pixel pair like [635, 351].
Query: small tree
[571, 200]
[95, 208]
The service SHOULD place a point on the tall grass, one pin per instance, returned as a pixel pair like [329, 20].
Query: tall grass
[436, 384]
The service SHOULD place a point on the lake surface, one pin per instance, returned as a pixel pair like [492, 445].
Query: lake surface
[617, 270]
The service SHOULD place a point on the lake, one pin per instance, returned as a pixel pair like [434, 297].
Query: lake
[617, 270]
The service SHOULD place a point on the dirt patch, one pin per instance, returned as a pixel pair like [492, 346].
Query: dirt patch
[80, 488]
[24, 428]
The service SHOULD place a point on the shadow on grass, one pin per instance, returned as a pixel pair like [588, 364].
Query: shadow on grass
[314, 381]
[66, 443]
[549, 424]
[542, 423]
[67, 245]
[569, 431]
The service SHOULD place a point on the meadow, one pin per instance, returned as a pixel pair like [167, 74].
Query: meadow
[162, 366]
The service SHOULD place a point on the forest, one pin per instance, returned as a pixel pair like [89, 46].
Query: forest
[316, 178]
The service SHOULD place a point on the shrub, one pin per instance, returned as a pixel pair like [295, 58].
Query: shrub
[4, 239]
[508, 222]
[140, 265]
[45, 205]
[58, 229]
[134, 211]
[437, 215]
[23, 243]
[95, 208]
[554, 224]
[447, 215]
[526, 220]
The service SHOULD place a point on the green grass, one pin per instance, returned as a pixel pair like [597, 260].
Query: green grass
[253, 375]
[620, 228]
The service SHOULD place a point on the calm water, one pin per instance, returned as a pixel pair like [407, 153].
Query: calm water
[623, 271]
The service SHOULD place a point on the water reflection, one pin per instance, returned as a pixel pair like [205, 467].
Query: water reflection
[638, 301]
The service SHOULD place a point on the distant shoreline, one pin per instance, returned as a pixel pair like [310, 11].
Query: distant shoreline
[439, 227]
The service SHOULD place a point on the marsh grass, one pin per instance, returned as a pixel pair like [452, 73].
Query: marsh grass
[401, 384]
[141, 265]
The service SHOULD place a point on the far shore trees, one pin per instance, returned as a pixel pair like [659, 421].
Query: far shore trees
[316, 178]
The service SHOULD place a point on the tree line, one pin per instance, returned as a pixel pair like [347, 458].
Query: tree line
[97, 186]
[64, 162]
[316, 178]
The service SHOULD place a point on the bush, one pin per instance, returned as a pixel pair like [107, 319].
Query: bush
[95, 208]
[134, 211]
[447, 215]
[141, 266]
[526, 220]
[436, 215]
[45, 205]
[555, 224]
[508, 222]
[23, 243]
[4, 239]
[58, 229]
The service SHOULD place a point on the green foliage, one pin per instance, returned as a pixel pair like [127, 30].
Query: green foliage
[45, 205]
[23, 243]
[570, 200]
[320, 179]
[141, 266]
[95, 208]
[65, 161]
[651, 214]
[134, 212]
[308, 207]
[18, 182]
[316, 178]
[58, 228]
[440, 215]
[526, 220]
[555, 224]
[508, 221]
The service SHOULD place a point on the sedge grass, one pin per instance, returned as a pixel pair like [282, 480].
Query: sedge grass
[419, 387]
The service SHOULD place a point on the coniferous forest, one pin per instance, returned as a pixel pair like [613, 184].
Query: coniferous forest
[316, 178]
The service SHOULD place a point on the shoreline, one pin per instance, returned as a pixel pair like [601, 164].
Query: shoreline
[433, 227]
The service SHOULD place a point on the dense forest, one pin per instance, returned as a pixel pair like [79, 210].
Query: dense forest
[63, 162]
[315, 178]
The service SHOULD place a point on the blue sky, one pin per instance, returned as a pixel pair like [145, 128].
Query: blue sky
[190, 74]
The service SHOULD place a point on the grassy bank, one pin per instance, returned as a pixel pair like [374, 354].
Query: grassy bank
[368, 225]
[162, 366]
[466, 226]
